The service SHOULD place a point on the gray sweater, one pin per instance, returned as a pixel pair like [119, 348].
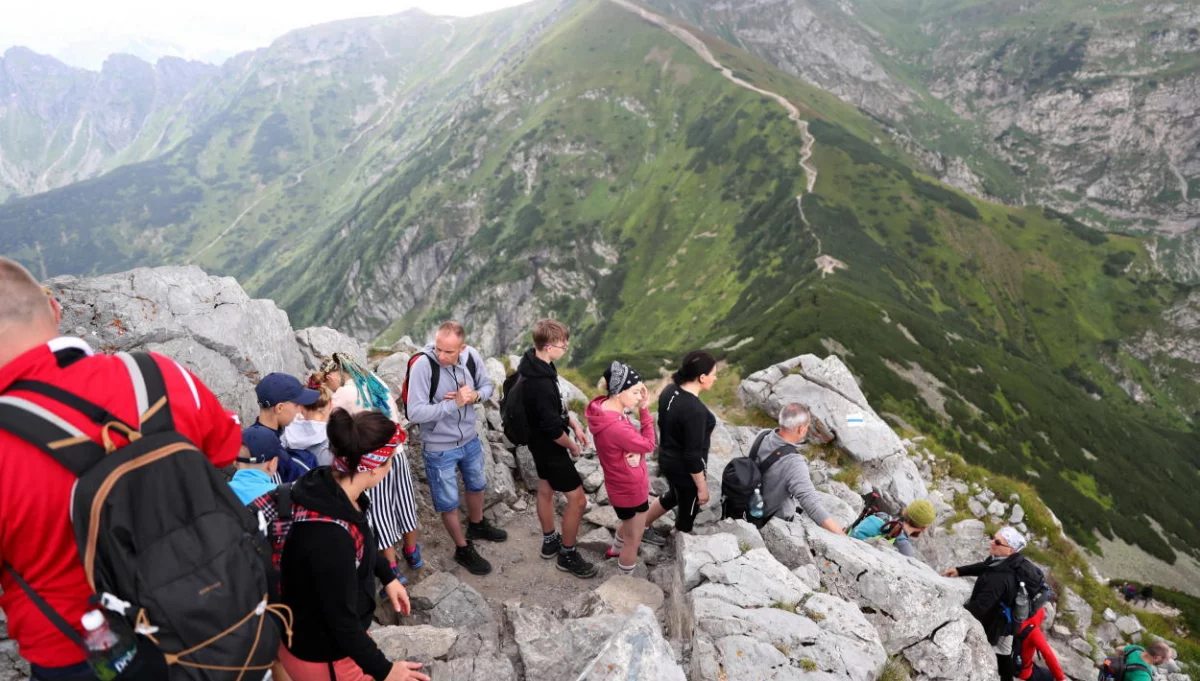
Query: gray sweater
[787, 483]
[444, 424]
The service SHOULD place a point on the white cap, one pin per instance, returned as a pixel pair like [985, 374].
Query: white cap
[94, 620]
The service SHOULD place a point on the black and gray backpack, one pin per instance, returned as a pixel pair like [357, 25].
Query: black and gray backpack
[745, 473]
[163, 539]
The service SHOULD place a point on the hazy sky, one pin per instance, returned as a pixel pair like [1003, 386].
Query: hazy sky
[81, 32]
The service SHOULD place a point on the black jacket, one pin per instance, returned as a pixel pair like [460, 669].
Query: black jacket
[686, 428]
[332, 601]
[544, 406]
[997, 584]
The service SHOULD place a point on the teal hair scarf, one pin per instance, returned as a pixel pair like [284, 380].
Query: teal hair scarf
[372, 393]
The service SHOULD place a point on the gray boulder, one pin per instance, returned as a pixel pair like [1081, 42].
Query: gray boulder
[501, 487]
[443, 601]
[1128, 625]
[635, 652]
[526, 468]
[788, 543]
[495, 371]
[489, 667]
[896, 478]
[960, 544]
[207, 324]
[918, 613]
[624, 595]
[319, 342]
[829, 390]
[421, 643]
[1077, 610]
[392, 370]
[552, 649]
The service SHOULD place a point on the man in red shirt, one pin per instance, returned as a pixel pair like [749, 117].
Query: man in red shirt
[36, 535]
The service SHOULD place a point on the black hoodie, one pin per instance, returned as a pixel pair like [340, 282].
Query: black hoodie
[997, 584]
[544, 406]
[331, 600]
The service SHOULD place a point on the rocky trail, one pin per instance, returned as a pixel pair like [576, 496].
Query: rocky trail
[791, 602]
[698, 46]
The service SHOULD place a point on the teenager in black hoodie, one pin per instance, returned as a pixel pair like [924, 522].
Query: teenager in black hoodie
[996, 588]
[330, 561]
[550, 428]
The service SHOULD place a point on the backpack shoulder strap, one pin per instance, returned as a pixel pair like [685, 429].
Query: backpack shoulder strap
[97, 414]
[471, 366]
[435, 375]
[150, 390]
[50, 433]
[283, 501]
[771, 458]
[50, 613]
[753, 453]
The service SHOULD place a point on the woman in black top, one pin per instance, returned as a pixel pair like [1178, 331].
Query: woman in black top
[330, 560]
[686, 427]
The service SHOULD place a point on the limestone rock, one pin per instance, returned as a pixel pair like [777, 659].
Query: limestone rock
[997, 508]
[527, 468]
[896, 478]
[501, 487]
[1128, 625]
[788, 543]
[1109, 615]
[495, 371]
[443, 601]
[207, 324]
[1082, 646]
[489, 667]
[598, 539]
[1073, 604]
[604, 516]
[570, 392]
[693, 552]
[976, 508]
[752, 580]
[1017, 516]
[320, 342]
[624, 595]
[422, 643]
[829, 390]
[960, 544]
[635, 652]
[552, 649]
[392, 370]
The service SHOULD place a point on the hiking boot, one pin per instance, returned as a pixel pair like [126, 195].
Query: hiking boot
[654, 537]
[414, 559]
[551, 548]
[469, 558]
[571, 561]
[486, 531]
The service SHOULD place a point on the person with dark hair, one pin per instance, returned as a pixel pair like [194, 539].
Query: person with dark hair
[685, 427]
[550, 443]
[330, 561]
[393, 503]
[621, 448]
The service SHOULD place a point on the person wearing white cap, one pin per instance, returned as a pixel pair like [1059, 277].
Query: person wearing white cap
[995, 591]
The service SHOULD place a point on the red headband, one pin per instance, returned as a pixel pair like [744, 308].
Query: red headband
[372, 460]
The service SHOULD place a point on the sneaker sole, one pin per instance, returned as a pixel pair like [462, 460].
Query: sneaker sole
[590, 575]
[491, 539]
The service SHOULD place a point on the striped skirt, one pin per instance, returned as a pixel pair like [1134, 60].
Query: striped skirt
[393, 504]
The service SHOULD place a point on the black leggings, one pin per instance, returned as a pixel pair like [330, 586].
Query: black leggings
[681, 495]
[1004, 664]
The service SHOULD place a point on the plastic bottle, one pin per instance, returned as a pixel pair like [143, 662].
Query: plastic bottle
[109, 649]
[756, 503]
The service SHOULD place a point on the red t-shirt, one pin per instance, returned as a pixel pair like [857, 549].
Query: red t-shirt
[36, 535]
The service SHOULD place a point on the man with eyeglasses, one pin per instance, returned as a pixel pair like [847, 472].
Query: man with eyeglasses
[995, 591]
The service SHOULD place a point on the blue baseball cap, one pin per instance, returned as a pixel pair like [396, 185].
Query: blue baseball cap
[278, 388]
[263, 444]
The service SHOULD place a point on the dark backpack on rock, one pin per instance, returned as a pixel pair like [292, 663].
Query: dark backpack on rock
[158, 527]
[435, 376]
[1113, 667]
[745, 473]
[512, 409]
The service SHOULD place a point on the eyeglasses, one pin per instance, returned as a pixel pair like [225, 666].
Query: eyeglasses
[564, 347]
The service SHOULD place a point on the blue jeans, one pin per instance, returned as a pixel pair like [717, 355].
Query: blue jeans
[440, 468]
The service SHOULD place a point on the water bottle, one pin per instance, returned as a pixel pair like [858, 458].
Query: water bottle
[110, 649]
[756, 503]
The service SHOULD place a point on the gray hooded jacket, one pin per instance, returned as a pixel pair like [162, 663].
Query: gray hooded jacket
[444, 424]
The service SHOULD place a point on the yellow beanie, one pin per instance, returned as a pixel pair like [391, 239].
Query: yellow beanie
[920, 513]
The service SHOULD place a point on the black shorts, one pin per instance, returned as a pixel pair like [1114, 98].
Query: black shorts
[682, 495]
[557, 468]
[627, 513]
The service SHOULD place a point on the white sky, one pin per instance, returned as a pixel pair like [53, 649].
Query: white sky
[79, 30]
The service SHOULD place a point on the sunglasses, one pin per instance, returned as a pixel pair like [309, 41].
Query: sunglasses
[997, 542]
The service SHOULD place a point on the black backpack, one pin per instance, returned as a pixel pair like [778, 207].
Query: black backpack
[435, 377]
[1114, 667]
[742, 475]
[512, 409]
[158, 527]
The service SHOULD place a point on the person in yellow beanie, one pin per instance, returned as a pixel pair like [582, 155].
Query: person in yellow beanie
[917, 517]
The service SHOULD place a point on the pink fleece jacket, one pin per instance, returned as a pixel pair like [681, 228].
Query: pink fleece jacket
[615, 435]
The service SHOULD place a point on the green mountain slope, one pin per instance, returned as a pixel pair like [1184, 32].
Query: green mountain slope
[573, 159]
[1085, 106]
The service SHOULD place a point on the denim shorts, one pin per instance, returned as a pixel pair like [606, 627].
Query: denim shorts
[441, 469]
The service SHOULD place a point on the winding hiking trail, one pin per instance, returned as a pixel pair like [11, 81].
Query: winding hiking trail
[698, 46]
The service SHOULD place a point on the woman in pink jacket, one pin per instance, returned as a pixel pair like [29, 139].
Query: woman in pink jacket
[622, 451]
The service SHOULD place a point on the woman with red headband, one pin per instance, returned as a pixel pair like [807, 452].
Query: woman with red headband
[331, 560]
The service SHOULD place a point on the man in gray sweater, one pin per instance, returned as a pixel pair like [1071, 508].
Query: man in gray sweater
[787, 482]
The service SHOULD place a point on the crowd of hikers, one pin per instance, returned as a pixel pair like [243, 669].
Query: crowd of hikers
[127, 553]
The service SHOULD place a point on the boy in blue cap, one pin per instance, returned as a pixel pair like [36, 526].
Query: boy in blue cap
[257, 465]
[280, 397]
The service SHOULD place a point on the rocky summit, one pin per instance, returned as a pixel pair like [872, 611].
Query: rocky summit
[792, 601]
